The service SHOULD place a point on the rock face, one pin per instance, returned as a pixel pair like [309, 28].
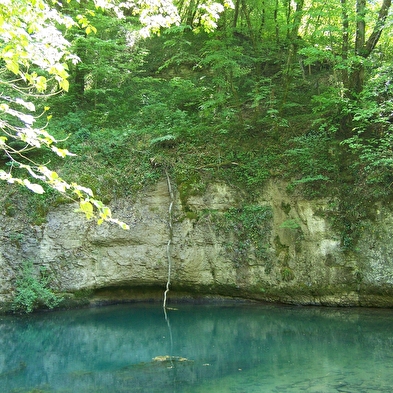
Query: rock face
[280, 249]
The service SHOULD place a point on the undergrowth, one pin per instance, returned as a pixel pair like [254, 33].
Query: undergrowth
[196, 107]
[249, 227]
[32, 289]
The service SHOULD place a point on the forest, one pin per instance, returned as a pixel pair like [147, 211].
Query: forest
[98, 100]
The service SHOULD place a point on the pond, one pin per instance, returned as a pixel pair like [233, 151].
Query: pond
[198, 349]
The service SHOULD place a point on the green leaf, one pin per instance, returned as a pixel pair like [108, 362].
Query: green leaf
[13, 66]
[91, 29]
[64, 84]
[291, 224]
[87, 208]
[40, 83]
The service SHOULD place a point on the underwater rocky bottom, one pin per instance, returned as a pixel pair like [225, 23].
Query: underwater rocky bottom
[198, 348]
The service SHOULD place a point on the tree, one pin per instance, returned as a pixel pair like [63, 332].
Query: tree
[34, 57]
[364, 48]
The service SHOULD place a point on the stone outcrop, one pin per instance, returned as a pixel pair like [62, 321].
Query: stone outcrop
[294, 256]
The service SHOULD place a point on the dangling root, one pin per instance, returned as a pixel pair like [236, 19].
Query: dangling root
[169, 244]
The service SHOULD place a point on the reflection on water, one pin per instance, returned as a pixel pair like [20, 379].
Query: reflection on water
[207, 349]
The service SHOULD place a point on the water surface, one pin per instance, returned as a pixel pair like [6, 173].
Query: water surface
[199, 349]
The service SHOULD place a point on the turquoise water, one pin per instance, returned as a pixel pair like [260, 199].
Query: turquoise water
[200, 349]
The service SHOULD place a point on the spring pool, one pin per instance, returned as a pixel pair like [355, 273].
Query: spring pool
[198, 349]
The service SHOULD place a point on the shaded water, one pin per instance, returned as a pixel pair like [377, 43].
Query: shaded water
[237, 349]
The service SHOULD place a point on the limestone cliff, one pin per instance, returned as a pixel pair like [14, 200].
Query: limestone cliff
[290, 253]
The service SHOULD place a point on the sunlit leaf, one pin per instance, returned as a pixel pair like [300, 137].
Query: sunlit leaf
[28, 105]
[87, 208]
[27, 119]
[40, 83]
[13, 66]
[33, 186]
[91, 29]
[64, 84]
[62, 152]
[124, 226]
[4, 175]
[80, 189]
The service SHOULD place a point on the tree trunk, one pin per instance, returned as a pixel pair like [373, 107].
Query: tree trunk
[360, 27]
[78, 87]
[379, 26]
[263, 18]
[363, 48]
[345, 42]
[354, 77]
[288, 19]
[277, 29]
[191, 12]
[236, 14]
[248, 21]
[297, 19]
[294, 41]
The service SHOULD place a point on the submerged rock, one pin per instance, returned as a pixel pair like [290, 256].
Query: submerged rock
[168, 358]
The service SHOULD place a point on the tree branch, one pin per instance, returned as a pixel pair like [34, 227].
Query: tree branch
[379, 26]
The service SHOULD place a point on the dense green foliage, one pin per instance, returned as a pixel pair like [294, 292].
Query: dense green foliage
[45, 45]
[276, 90]
[300, 91]
[33, 291]
[243, 103]
[250, 226]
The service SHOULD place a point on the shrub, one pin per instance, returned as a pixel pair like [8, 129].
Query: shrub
[32, 291]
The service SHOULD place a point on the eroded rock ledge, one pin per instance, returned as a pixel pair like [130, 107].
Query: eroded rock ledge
[280, 249]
